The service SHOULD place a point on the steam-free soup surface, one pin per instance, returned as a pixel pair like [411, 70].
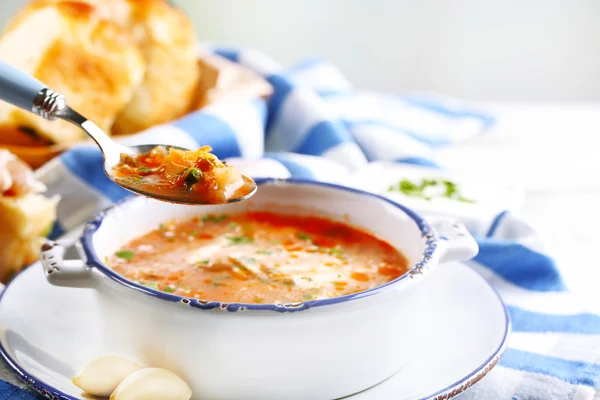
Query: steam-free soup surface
[259, 257]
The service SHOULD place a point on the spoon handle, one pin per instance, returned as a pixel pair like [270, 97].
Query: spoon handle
[20, 89]
[26, 92]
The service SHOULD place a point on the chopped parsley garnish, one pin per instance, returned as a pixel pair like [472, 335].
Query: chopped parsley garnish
[304, 236]
[216, 284]
[151, 285]
[125, 254]
[336, 252]
[232, 225]
[445, 189]
[233, 240]
[202, 263]
[264, 252]
[194, 233]
[194, 175]
[169, 289]
[162, 227]
[307, 296]
[214, 218]
[307, 278]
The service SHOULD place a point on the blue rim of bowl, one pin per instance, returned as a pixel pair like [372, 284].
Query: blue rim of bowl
[422, 266]
[451, 391]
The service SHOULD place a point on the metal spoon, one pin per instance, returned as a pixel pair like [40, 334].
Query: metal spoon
[26, 92]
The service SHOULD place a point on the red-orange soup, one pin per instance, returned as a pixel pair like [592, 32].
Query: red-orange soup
[195, 176]
[259, 257]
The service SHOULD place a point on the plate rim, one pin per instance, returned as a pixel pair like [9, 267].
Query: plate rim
[40, 387]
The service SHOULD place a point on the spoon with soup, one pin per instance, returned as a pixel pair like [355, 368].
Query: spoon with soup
[167, 173]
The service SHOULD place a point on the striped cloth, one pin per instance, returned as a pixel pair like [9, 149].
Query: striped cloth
[316, 126]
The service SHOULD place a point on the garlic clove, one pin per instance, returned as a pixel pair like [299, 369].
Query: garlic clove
[152, 384]
[101, 376]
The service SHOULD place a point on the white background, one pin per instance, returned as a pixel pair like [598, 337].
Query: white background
[493, 50]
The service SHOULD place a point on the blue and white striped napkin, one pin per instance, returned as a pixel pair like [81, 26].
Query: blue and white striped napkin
[316, 126]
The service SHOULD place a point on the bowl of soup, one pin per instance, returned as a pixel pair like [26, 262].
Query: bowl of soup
[307, 290]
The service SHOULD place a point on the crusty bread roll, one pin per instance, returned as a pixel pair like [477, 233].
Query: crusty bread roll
[168, 43]
[26, 216]
[222, 79]
[95, 63]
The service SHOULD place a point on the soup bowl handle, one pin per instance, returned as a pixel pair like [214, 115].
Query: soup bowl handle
[457, 242]
[60, 272]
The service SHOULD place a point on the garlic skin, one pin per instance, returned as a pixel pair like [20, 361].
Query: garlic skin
[152, 384]
[101, 376]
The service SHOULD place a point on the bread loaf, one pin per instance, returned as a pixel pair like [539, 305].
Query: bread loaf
[95, 63]
[26, 215]
[168, 43]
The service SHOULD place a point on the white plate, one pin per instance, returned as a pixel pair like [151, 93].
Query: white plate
[47, 333]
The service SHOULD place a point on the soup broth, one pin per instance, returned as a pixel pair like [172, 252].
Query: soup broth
[258, 257]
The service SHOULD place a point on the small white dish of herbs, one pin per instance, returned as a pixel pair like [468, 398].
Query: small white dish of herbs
[434, 191]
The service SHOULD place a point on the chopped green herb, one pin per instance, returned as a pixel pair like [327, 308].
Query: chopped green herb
[194, 175]
[232, 225]
[169, 289]
[202, 263]
[448, 189]
[465, 200]
[125, 254]
[194, 233]
[264, 252]
[136, 179]
[185, 288]
[144, 170]
[214, 218]
[307, 296]
[339, 275]
[216, 284]
[304, 236]
[233, 240]
[162, 227]
[307, 278]
[151, 285]
[336, 252]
